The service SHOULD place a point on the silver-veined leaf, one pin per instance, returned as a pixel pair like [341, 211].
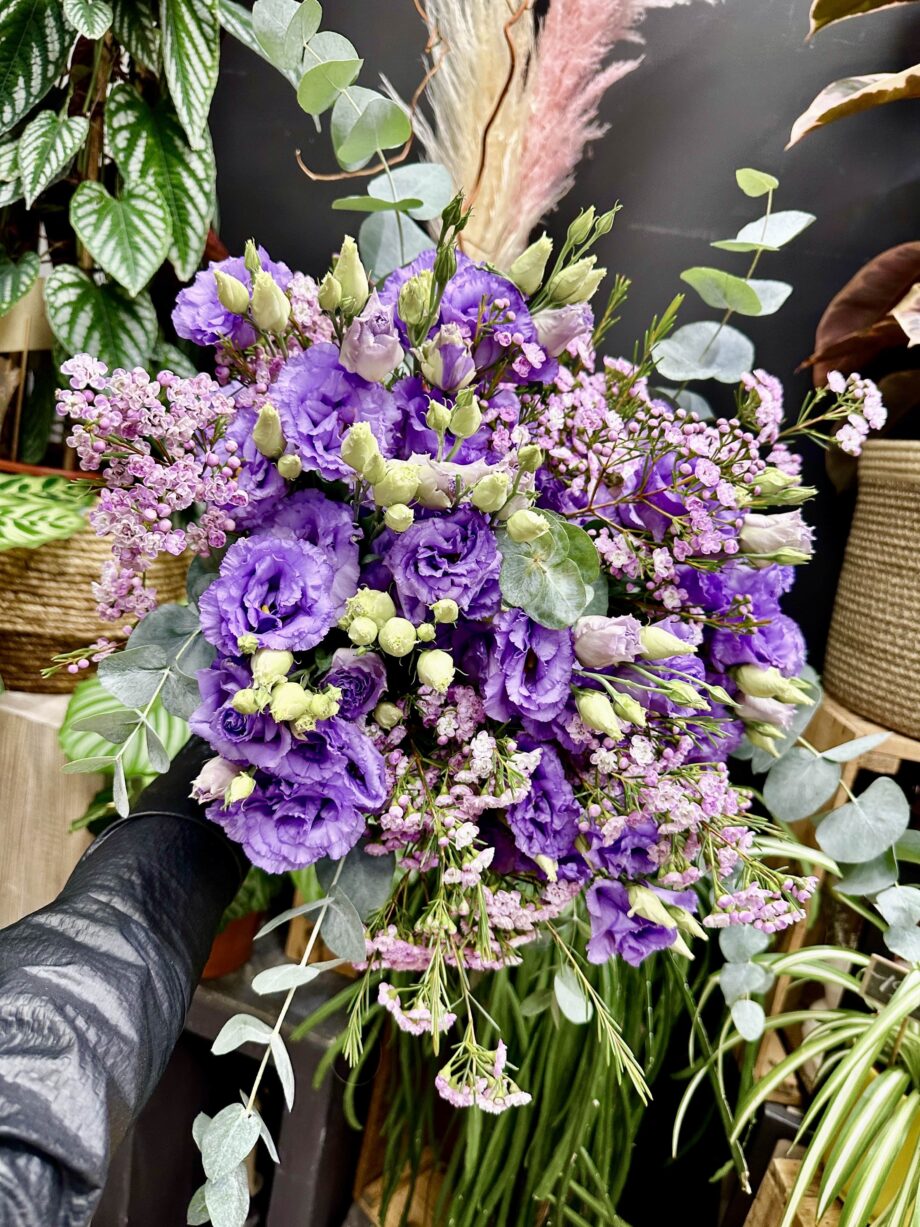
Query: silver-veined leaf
[129, 236]
[134, 24]
[91, 18]
[46, 147]
[34, 44]
[89, 702]
[149, 145]
[9, 161]
[99, 319]
[16, 278]
[34, 510]
[191, 53]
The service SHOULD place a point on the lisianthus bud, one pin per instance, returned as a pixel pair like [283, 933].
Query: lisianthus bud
[362, 631]
[349, 272]
[360, 449]
[445, 610]
[774, 482]
[527, 270]
[266, 434]
[758, 739]
[627, 708]
[605, 223]
[491, 491]
[435, 669]
[325, 705]
[659, 644]
[580, 228]
[246, 702]
[769, 683]
[558, 327]
[765, 537]
[549, 866]
[685, 694]
[289, 702]
[270, 666]
[231, 293]
[597, 712]
[415, 297]
[446, 361]
[247, 644]
[271, 307]
[759, 711]
[527, 526]
[252, 261]
[529, 458]
[329, 294]
[210, 784]
[397, 637]
[438, 417]
[398, 517]
[425, 632]
[371, 346]
[466, 419]
[645, 903]
[575, 284]
[387, 715]
[369, 603]
[239, 788]
[398, 485]
[290, 467]
[600, 641]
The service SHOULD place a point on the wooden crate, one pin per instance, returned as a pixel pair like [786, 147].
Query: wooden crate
[774, 1191]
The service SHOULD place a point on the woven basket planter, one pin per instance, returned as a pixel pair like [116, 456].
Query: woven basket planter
[873, 650]
[47, 606]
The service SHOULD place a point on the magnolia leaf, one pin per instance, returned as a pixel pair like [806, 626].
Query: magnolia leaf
[149, 145]
[365, 880]
[739, 943]
[237, 20]
[227, 1140]
[369, 204]
[134, 24]
[571, 997]
[798, 785]
[748, 1017]
[46, 147]
[129, 237]
[851, 95]
[343, 930]
[99, 319]
[191, 55]
[707, 350]
[904, 941]
[366, 123]
[739, 980]
[35, 42]
[723, 290]
[16, 279]
[388, 241]
[863, 829]
[34, 510]
[900, 905]
[332, 64]
[824, 12]
[91, 18]
[239, 1030]
[870, 876]
[429, 181]
[768, 233]
[290, 975]
[227, 1199]
[283, 917]
[848, 750]
[755, 182]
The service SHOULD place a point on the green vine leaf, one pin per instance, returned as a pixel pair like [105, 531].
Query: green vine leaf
[16, 279]
[91, 18]
[46, 147]
[34, 44]
[191, 56]
[100, 319]
[128, 237]
[134, 24]
[34, 510]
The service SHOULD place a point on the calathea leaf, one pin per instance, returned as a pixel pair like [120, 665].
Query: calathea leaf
[191, 54]
[16, 278]
[34, 510]
[99, 319]
[91, 18]
[128, 237]
[34, 44]
[47, 147]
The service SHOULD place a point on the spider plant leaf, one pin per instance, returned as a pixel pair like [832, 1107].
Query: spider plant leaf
[874, 1107]
[897, 1212]
[876, 1166]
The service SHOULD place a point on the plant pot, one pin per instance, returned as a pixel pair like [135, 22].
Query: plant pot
[232, 946]
[873, 650]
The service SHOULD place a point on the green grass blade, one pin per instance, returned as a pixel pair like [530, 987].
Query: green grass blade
[873, 1109]
[876, 1167]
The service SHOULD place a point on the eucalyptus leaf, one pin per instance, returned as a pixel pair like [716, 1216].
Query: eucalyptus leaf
[707, 350]
[571, 997]
[284, 1068]
[343, 930]
[263, 1130]
[537, 1003]
[739, 980]
[236, 19]
[239, 1030]
[599, 601]
[904, 941]
[120, 798]
[900, 905]
[387, 241]
[134, 675]
[282, 27]
[175, 631]
[290, 975]
[156, 751]
[84, 766]
[197, 1213]
[365, 880]
[365, 123]
[908, 847]
[739, 943]
[748, 1017]
[772, 295]
[870, 876]
[755, 182]
[115, 725]
[181, 695]
[722, 290]
[429, 181]
[368, 204]
[862, 829]
[283, 917]
[798, 785]
[199, 1126]
[227, 1140]
[768, 233]
[227, 1199]
[848, 750]
[332, 65]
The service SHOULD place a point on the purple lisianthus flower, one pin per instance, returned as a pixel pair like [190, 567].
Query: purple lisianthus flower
[362, 679]
[443, 557]
[389, 291]
[340, 759]
[779, 643]
[199, 316]
[284, 826]
[615, 932]
[371, 346]
[258, 477]
[529, 670]
[558, 327]
[277, 590]
[312, 517]
[601, 641]
[255, 740]
[714, 591]
[446, 360]
[317, 400]
[545, 822]
[628, 855]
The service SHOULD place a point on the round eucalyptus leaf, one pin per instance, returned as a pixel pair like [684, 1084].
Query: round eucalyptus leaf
[429, 181]
[904, 941]
[798, 785]
[739, 943]
[722, 290]
[755, 182]
[571, 998]
[227, 1140]
[870, 876]
[707, 350]
[748, 1017]
[863, 829]
[387, 241]
[363, 124]
[332, 65]
[739, 980]
[768, 233]
[900, 905]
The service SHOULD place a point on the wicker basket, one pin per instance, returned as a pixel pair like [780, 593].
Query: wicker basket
[873, 651]
[47, 606]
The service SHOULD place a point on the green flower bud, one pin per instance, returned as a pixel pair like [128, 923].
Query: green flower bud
[605, 223]
[438, 417]
[329, 294]
[761, 741]
[247, 644]
[527, 526]
[362, 632]
[415, 297]
[326, 705]
[548, 865]
[491, 492]
[398, 485]
[597, 712]
[575, 284]
[789, 557]
[360, 449]
[685, 694]
[290, 467]
[246, 702]
[425, 632]
[349, 272]
[289, 702]
[397, 637]
[387, 715]
[370, 603]
[445, 263]
[398, 517]
[773, 482]
[658, 644]
[266, 434]
[445, 610]
[231, 293]
[769, 683]
[466, 419]
[580, 228]
[271, 307]
[270, 666]
[251, 259]
[529, 458]
[645, 903]
[435, 669]
[627, 708]
[527, 270]
[239, 788]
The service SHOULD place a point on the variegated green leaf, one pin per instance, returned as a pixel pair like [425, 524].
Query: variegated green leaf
[10, 192]
[34, 45]
[46, 147]
[149, 145]
[9, 161]
[34, 510]
[128, 237]
[876, 1166]
[101, 319]
[134, 24]
[851, 95]
[90, 700]
[873, 1108]
[16, 279]
[191, 52]
[91, 18]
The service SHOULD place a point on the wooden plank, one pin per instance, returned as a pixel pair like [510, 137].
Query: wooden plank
[773, 1195]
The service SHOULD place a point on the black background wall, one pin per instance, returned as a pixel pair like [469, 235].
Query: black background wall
[719, 87]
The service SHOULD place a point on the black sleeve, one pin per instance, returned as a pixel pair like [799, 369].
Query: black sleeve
[94, 990]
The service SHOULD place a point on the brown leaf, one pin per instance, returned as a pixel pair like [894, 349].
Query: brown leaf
[857, 323]
[824, 12]
[851, 95]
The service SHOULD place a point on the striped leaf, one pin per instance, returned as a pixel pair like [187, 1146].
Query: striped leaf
[872, 1110]
[34, 510]
[237, 21]
[134, 24]
[191, 54]
[34, 44]
[90, 700]
[16, 279]
[876, 1166]
[9, 161]
[149, 146]
[99, 319]
[46, 147]
[91, 18]
[10, 192]
[129, 237]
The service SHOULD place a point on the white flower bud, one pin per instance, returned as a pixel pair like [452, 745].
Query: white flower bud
[425, 632]
[270, 666]
[659, 644]
[231, 293]
[387, 715]
[644, 902]
[445, 610]
[271, 307]
[247, 644]
[362, 632]
[246, 702]
[289, 702]
[577, 283]
[290, 467]
[415, 297]
[350, 273]
[491, 492]
[325, 705]
[527, 270]
[466, 419]
[252, 261]
[361, 451]
[627, 708]
[435, 669]
[370, 603]
[597, 712]
[267, 434]
[398, 517]
[397, 637]
[398, 485]
[529, 458]
[239, 788]
[580, 228]
[527, 526]
[329, 294]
